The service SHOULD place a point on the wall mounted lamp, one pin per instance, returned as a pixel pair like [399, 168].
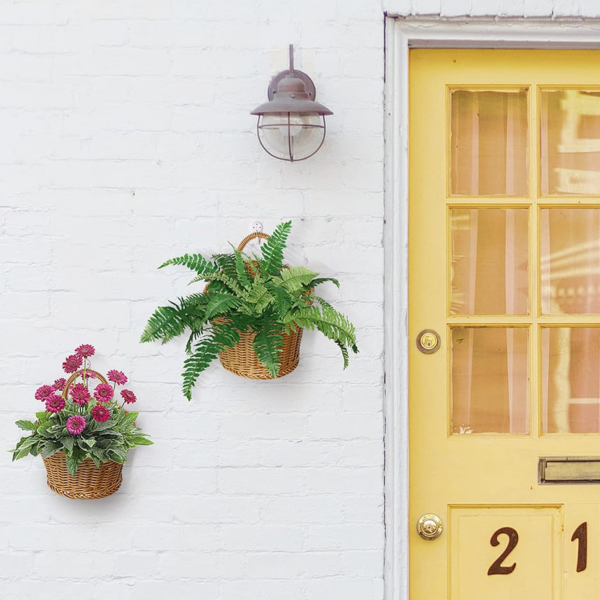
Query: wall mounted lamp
[291, 125]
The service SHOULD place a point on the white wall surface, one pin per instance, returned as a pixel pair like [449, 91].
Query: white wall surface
[555, 9]
[126, 139]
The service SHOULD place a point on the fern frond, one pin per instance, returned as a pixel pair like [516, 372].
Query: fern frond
[260, 297]
[225, 263]
[319, 280]
[295, 279]
[267, 345]
[220, 303]
[194, 262]
[229, 282]
[332, 324]
[165, 324]
[240, 268]
[344, 352]
[272, 250]
[282, 300]
[205, 351]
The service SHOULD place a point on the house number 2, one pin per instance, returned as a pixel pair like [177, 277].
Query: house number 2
[497, 568]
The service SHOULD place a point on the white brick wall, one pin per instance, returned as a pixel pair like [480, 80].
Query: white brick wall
[126, 140]
[583, 9]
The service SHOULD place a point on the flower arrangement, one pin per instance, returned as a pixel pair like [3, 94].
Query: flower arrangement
[82, 419]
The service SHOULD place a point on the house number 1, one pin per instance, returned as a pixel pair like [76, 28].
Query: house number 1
[498, 568]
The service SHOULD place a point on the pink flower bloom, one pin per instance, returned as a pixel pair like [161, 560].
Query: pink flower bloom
[128, 396]
[80, 394]
[59, 384]
[44, 392]
[55, 403]
[72, 363]
[85, 351]
[100, 413]
[117, 377]
[103, 392]
[75, 425]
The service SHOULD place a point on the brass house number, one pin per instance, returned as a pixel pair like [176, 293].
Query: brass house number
[497, 568]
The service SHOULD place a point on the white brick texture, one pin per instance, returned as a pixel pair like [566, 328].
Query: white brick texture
[126, 140]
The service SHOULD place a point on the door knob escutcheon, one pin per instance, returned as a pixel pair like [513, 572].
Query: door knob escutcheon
[430, 527]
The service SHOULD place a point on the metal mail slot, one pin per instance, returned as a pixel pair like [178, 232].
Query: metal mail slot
[569, 470]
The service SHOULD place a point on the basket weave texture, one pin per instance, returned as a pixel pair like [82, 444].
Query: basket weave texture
[91, 482]
[242, 359]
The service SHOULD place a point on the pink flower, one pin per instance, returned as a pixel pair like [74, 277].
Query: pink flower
[100, 413]
[117, 377]
[72, 363]
[44, 392]
[85, 350]
[75, 425]
[103, 392]
[59, 384]
[128, 396]
[55, 403]
[80, 394]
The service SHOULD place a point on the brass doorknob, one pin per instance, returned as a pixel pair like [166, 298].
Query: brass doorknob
[430, 527]
[428, 341]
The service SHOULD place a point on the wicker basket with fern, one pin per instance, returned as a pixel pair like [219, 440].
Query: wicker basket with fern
[251, 313]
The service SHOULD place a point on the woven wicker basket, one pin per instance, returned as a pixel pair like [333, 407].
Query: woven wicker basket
[242, 360]
[91, 482]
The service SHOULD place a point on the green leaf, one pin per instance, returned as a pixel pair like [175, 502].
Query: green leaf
[68, 442]
[165, 324]
[320, 280]
[296, 278]
[267, 345]
[74, 460]
[272, 250]
[220, 303]
[194, 262]
[27, 425]
[205, 351]
[139, 440]
[42, 417]
[50, 447]
[259, 296]
[240, 268]
[98, 427]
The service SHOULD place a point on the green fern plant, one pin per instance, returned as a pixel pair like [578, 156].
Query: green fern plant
[258, 294]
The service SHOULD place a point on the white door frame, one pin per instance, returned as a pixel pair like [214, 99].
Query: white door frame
[401, 35]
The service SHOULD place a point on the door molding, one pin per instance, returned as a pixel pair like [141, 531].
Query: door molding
[401, 34]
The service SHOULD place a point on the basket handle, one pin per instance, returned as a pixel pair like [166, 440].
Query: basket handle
[77, 374]
[250, 237]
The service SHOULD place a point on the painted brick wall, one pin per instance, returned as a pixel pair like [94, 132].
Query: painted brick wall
[126, 139]
[586, 9]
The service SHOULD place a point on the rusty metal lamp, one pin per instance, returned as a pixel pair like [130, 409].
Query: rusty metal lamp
[291, 125]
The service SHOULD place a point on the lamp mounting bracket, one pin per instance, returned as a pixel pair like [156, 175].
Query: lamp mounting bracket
[292, 72]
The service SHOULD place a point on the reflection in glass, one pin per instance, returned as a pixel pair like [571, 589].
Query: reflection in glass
[570, 142]
[571, 380]
[490, 380]
[570, 261]
[489, 143]
[489, 261]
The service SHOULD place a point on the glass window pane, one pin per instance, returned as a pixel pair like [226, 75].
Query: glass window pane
[570, 142]
[490, 380]
[489, 261]
[570, 261]
[489, 143]
[571, 380]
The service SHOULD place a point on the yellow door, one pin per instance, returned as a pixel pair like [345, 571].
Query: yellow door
[504, 279]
